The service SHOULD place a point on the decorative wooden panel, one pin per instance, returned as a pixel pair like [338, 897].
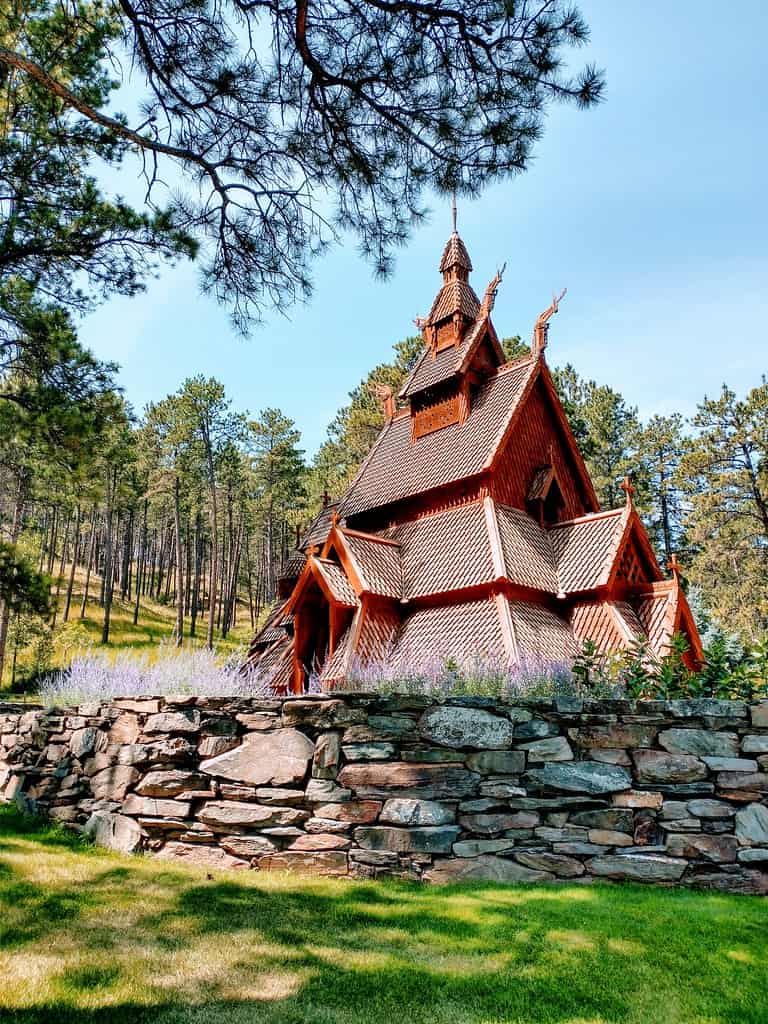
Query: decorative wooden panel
[435, 417]
[527, 448]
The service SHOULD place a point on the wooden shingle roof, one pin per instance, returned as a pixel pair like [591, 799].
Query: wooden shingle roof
[397, 468]
[585, 548]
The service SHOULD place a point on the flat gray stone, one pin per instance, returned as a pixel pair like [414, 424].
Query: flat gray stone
[113, 783]
[557, 863]
[83, 742]
[497, 762]
[322, 862]
[710, 809]
[381, 751]
[707, 707]
[759, 713]
[478, 847]
[114, 832]
[618, 734]
[700, 741]
[247, 846]
[753, 856]
[149, 807]
[730, 764]
[718, 849]
[536, 729]
[756, 782]
[404, 811]
[655, 766]
[755, 744]
[556, 748]
[617, 818]
[228, 814]
[483, 869]
[465, 727]
[638, 867]
[325, 791]
[490, 824]
[438, 839]
[752, 825]
[581, 777]
[281, 758]
[185, 721]
[170, 782]
[400, 778]
[201, 855]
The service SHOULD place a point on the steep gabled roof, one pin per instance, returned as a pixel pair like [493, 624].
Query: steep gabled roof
[376, 561]
[464, 630]
[455, 254]
[397, 468]
[539, 634]
[528, 557]
[446, 551]
[586, 548]
[336, 581]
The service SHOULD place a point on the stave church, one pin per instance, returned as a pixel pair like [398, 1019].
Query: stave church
[472, 527]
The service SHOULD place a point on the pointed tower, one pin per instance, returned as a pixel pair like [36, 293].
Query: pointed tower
[456, 305]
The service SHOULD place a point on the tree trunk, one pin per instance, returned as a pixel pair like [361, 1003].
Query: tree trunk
[140, 566]
[179, 564]
[108, 574]
[91, 550]
[198, 569]
[214, 515]
[75, 553]
[18, 515]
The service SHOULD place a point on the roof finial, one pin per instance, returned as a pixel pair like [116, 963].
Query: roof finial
[490, 292]
[674, 566]
[541, 327]
[629, 490]
[453, 211]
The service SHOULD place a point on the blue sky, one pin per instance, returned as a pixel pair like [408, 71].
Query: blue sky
[651, 209]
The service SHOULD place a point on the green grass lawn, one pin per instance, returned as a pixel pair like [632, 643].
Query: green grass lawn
[91, 937]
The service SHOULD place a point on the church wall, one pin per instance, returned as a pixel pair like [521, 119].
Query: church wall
[527, 449]
[364, 785]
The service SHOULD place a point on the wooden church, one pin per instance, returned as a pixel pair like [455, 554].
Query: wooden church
[471, 528]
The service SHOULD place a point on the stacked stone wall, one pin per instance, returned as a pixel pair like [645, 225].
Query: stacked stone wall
[672, 792]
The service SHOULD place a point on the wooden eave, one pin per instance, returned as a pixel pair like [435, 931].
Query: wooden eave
[335, 542]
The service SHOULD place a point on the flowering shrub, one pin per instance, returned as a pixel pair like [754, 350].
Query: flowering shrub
[476, 675]
[96, 676]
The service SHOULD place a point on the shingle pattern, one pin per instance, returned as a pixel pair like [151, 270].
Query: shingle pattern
[595, 621]
[276, 662]
[584, 550]
[378, 629]
[447, 551]
[454, 297]
[455, 254]
[335, 667]
[629, 617]
[318, 530]
[379, 564]
[337, 582]
[397, 468]
[293, 565]
[434, 369]
[656, 613]
[527, 550]
[540, 634]
[450, 631]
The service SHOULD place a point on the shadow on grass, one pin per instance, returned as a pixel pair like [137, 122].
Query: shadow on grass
[88, 938]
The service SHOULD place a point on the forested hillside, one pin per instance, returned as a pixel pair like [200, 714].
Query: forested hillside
[178, 519]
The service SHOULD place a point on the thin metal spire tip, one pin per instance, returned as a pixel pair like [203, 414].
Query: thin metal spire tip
[453, 211]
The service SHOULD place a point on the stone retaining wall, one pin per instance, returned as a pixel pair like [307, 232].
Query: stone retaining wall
[666, 792]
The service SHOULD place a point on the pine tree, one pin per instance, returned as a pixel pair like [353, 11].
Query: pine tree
[725, 479]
